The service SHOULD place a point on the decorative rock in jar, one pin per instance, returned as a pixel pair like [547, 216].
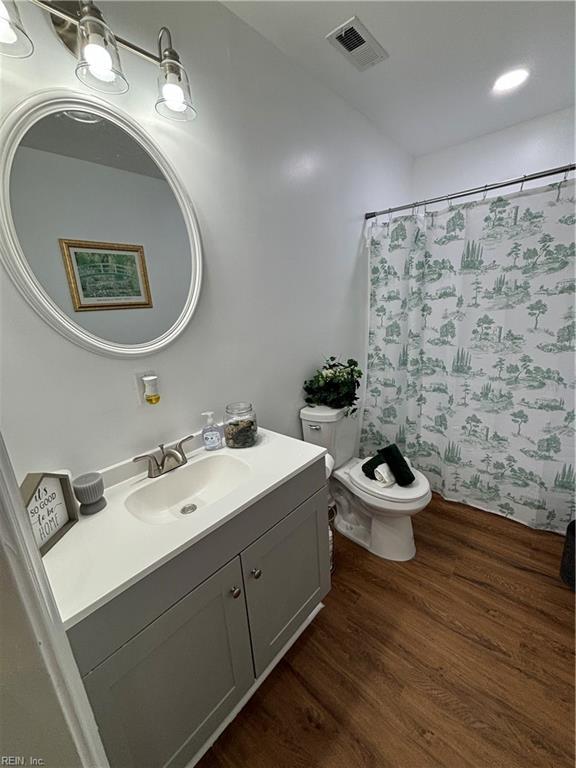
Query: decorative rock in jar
[240, 426]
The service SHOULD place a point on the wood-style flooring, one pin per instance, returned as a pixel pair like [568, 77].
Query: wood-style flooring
[461, 658]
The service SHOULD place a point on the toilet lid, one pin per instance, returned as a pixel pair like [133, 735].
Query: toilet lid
[397, 493]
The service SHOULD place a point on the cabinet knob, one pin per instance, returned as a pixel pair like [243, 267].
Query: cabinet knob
[256, 572]
[235, 592]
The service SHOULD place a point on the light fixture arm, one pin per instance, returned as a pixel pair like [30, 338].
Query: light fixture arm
[87, 6]
[54, 10]
[166, 52]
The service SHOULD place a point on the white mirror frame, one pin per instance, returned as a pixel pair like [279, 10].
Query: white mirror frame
[12, 130]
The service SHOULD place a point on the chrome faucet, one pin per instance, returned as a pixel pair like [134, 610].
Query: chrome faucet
[170, 458]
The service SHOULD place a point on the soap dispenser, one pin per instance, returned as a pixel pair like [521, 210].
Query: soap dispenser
[212, 434]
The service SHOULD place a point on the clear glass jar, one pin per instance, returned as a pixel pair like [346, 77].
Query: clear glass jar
[240, 426]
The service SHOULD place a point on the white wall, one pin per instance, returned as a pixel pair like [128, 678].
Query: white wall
[32, 722]
[545, 142]
[281, 171]
[77, 200]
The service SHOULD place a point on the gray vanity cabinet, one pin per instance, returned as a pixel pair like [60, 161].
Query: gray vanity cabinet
[168, 660]
[162, 694]
[286, 573]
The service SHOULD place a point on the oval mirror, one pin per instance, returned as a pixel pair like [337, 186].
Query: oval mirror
[98, 232]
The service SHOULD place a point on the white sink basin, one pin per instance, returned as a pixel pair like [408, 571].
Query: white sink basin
[178, 494]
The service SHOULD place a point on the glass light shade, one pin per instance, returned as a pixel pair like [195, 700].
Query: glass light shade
[14, 41]
[174, 98]
[99, 63]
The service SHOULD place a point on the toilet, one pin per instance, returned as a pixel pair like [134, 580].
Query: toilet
[377, 518]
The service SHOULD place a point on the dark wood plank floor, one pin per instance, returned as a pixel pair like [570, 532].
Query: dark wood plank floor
[461, 658]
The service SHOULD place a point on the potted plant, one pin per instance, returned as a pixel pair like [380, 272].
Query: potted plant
[335, 385]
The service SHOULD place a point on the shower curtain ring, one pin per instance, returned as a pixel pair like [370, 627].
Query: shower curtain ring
[522, 183]
[565, 175]
[485, 192]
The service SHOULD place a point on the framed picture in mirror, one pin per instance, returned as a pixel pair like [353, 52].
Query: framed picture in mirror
[106, 275]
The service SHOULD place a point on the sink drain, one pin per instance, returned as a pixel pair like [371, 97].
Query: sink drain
[188, 508]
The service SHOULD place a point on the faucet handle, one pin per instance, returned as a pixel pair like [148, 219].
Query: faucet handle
[180, 443]
[153, 465]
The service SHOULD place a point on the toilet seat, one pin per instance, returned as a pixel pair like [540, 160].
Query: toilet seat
[398, 494]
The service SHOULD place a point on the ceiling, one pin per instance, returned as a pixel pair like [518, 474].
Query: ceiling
[102, 142]
[435, 89]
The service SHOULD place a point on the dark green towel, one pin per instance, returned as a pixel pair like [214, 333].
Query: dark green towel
[396, 464]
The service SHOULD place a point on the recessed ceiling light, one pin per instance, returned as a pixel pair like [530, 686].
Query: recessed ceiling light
[510, 80]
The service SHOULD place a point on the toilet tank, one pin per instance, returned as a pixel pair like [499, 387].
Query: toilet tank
[330, 428]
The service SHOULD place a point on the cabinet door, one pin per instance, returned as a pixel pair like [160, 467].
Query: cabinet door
[160, 696]
[286, 573]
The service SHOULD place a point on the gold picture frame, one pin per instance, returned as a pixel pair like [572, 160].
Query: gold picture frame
[105, 276]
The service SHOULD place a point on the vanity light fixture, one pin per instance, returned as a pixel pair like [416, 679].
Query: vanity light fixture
[509, 81]
[174, 99]
[83, 30]
[14, 41]
[98, 61]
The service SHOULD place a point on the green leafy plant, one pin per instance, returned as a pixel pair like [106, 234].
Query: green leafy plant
[335, 385]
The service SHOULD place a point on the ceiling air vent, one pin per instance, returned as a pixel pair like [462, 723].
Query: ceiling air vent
[357, 44]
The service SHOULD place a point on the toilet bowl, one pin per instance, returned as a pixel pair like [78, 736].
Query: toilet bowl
[377, 518]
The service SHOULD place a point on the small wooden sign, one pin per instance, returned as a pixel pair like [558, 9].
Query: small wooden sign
[51, 507]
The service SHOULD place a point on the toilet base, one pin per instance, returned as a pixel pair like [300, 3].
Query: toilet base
[386, 531]
[390, 539]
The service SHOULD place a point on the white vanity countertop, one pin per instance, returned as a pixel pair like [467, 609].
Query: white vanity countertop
[104, 554]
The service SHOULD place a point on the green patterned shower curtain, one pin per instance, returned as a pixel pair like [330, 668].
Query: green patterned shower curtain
[471, 351]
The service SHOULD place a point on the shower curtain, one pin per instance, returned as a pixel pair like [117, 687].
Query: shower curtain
[471, 351]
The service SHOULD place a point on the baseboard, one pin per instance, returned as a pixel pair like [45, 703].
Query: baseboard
[253, 688]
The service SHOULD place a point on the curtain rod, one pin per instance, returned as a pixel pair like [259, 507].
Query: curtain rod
[475, 190]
